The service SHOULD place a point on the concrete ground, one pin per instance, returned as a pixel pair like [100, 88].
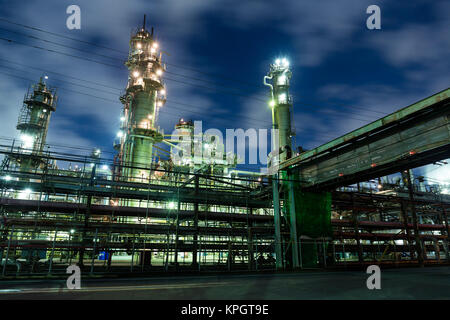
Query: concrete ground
[407, 283]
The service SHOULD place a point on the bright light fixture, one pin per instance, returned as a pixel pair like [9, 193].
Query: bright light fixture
[120, 134]
[159, 72]
[72, 230]
[122, 118]
[155, 45]
[136, 74]
[27, 141]
[7, 178]
[105, 167]
[277, 62]
[272, 103]
[163, 92]
[172, 205]
[25, 194]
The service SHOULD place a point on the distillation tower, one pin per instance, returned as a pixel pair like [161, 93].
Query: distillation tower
[143, 97]
[33, 122]
[281, 104]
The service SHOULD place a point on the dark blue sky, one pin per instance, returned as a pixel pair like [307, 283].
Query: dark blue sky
[344, 75]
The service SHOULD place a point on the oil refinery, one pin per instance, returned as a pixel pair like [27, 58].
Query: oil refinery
[180, 203]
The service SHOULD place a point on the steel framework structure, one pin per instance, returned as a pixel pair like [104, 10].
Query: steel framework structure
[193, 221]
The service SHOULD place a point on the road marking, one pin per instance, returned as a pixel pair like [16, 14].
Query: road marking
[117, 288]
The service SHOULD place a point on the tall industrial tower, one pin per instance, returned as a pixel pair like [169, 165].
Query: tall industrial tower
[33, 122]
[281, 104]
[143, 97]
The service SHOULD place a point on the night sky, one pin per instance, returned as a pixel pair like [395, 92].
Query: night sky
[344, 75]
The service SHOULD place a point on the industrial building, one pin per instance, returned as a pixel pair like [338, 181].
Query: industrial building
[336, 206]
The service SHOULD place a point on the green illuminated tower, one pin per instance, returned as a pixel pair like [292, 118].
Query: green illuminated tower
[33, 122]
[144, 95]
[281, 105]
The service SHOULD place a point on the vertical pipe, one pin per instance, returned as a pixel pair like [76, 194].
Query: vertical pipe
[70, 251]
[176, 230]
[343, 254]
[229, 257]
[407, 231]
[195, 242]
[166, 263]
[52, 253]
[256, 249]
[250, 248]
[200, 252]
[445, 242]
[419, 249]
[334, 252]
[93, 252]
[132, 256]
[374, 259]
[7, 251]
[356, 230]
[300, 252]
[437, 253]
[395, 252]
[293, 225]
[277, 222]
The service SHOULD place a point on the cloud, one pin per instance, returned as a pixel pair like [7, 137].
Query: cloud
[364, 102]
[419, 50]
[10, 103]
[316, 31]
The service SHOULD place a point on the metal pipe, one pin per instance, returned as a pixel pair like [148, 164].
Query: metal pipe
[7, 251]
[52, 253]
[93, 252]
[418, 241]
[277, 223]
[293, 225]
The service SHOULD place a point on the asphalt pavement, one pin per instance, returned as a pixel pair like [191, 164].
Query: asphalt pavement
[407, 283]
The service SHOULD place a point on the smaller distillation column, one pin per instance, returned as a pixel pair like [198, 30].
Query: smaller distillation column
[33, 122]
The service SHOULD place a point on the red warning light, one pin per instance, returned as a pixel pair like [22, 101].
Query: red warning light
[412, 152]
[373, 165]
[341, 174]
